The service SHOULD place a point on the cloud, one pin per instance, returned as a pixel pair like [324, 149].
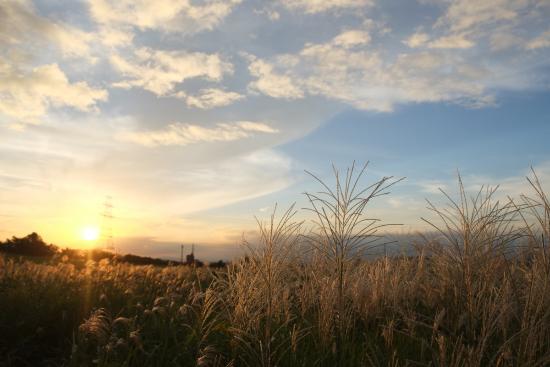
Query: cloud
[27, 95]
[318, 6]
[433, 187]
[504, 40]
[162, 15]
[184, 134]
[467, 22]
[348, 69]
[510, 186]
[210, 98]
[452, 41]
[31, 83]
[271, 14]
[22, 28]
[542, 41]
[348, 39]
[159, 71]
[417, 39]
[244, 177]
[468, 15]
[272, 83]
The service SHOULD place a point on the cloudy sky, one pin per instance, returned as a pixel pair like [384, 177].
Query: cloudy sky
[196, 116]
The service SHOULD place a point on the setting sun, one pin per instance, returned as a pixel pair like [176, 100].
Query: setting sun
[90, 233]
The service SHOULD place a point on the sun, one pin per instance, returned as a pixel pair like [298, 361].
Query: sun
[90, 233]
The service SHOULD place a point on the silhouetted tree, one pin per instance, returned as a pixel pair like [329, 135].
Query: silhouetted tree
[218, 264]
[30, 245]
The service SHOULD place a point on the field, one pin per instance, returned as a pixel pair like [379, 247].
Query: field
[474, 293]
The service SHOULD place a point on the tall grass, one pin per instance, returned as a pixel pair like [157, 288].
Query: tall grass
[476, 292]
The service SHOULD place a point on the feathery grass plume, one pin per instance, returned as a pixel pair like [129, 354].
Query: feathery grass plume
[534, 336]
[476, 295]
[259, 292]
[472, 269]
[342, 235]
[536, 217]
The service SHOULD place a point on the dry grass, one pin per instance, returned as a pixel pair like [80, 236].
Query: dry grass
[477, 294]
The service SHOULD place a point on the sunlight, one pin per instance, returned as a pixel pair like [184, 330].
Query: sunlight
[90, 233]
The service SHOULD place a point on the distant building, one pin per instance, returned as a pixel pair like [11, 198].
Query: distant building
[190, 258]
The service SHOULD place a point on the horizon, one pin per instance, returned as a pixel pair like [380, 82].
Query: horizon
[181, 122]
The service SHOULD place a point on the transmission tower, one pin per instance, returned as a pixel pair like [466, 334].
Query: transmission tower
[106, 224]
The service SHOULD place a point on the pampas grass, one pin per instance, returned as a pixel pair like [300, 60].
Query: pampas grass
[474, 293]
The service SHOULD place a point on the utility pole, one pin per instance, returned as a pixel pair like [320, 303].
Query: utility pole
[181, 258]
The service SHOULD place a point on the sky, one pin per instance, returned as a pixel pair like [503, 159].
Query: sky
[195, 117]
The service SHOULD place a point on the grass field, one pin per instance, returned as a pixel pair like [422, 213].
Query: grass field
[477, 294]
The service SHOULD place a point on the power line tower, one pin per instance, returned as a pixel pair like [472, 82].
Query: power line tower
[106, 224]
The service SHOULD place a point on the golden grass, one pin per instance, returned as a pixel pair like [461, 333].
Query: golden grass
[477, 294]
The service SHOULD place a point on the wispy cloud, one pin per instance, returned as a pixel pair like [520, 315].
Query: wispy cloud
[317, 6]
[468, 15]
[160, 71]
[417, 39]
[21, 28]
[185, 134]
[452, 41]
[164, 15]
[272, 83]
[27, 95]
[509, 186]
[348, 69]
[210, 98]
[541, 41]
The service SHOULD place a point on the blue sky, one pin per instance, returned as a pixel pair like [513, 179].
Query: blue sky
[197, 115]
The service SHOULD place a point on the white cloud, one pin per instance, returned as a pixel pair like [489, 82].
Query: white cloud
[363, 78]
[160, 71]
[317, 6]
[271, 83]
[22, 28]
[185, 134]
[433, 187]
[542, 41]
[164, 15]
[271, 14]
[452, 41]
[511, 186]
[352, 38]
[468, 15]
[115, 37]
[417, 39]
[27, 95]
[210, 98]
[502, 22]
[227, 181]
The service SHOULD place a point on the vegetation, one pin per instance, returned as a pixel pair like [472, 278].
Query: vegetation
[34, 246]
[477, 294]
[31, 245]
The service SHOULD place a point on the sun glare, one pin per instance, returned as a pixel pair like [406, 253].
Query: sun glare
[90, 233]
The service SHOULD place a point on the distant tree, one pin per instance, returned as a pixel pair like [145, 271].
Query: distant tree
[30, 245]
[143, 260]
[98, 255]
[218, 264]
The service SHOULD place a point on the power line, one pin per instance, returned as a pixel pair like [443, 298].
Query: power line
[106, 224]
